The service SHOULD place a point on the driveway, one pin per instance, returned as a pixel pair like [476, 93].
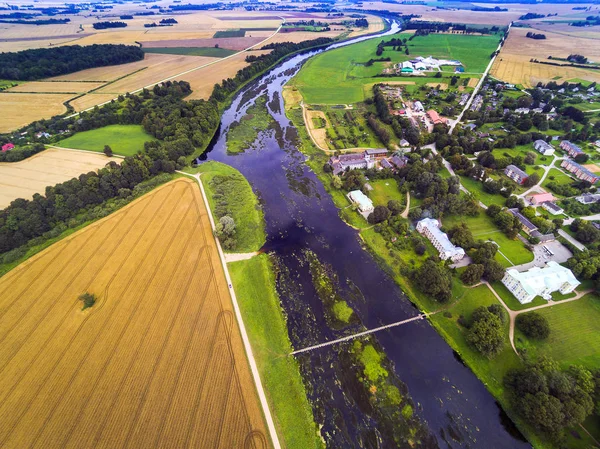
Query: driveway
[541, 258]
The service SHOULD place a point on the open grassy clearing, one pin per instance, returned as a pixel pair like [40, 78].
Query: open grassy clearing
[476, 187]
[385, 190]
[238, 199]
[125, 140]
[484, 229]
[244, 133]
[341, 77]
[575, 327]
[213, 52]
[161, 330]
[265, 320]
[25, 178]
[558, 177]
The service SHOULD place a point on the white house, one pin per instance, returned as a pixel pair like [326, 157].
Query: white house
[418, 106]
[543, 147]
[540, 282]
[364, 202]
[430, 228]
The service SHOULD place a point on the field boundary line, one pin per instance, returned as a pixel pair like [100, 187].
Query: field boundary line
[241, 326]
[208, 64]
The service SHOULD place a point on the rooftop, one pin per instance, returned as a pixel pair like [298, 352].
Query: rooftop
[517, 170]
[524, 221]
[537, 279]
[364, 202]
[433, 225]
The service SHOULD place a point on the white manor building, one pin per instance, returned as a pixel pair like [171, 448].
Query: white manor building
[430, 228]
[538, 281]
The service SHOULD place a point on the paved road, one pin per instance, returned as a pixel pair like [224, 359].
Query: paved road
[580, 246]
[240, 321]
[479, 84]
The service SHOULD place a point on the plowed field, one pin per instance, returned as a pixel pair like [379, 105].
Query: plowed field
[156, 362]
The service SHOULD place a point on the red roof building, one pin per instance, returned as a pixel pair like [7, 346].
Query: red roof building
[435, 118]
[7, 147]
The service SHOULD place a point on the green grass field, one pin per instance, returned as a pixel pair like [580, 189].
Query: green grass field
[512, 302]
[483, 228]
[476, 187]
[385, 190]
[229, 33]
[243, 134]
[575, 327]
[341, 77]
[125, 140]
[522, 150]
[193, 51]
[560, 178]
[242, 205]
[265, 322]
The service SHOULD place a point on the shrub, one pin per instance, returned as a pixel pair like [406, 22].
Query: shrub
[88, 300]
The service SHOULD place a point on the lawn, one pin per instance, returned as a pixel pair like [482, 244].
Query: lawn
[254, 284]
[340, 76]
[522, 150]
[385, 190]
[213, 52]
[476, 187]
[575, 327]
[490, 371]
[125, 140]
[557, 176]
[483, 228]
[240, 203]
[512, 302]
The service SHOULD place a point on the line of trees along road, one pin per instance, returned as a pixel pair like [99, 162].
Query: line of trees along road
[39, 63]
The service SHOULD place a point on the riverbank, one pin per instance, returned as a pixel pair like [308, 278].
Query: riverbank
[229, 193]
[254, 283]
[463, 302]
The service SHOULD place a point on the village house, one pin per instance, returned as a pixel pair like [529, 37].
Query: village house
[516, 174]
[365, 205]
[528, 227]
[373, 154]
[435, 118]
[571, 149]
[418, 106]
[543, 147]
[526, 285]
[553, 208]
[430, 228]
[540, 198]
[588, 198]
[398, 161]
[579, 171]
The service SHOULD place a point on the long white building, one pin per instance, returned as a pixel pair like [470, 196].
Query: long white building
[430, 228]
[538, 281]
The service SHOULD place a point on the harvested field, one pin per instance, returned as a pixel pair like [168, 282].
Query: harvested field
[130, 37]
[473, 82]
[55, 87]
[513, 63]
[158, 361]
[318, 134]
[90, 100]
[17, 109]
[443, 86]
[299, 36]
[291, 97]
[203, 80]
[25, 178]
[231, 43]
[172, 65]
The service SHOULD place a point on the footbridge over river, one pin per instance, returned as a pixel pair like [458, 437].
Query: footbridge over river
[360, 334]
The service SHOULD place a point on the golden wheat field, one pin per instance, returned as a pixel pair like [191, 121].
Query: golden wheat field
[19, 109]
[157, 362]
[25, 178]
[514, 65]
[55, 87]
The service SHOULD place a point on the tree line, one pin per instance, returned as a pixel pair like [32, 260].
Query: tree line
[39, 63]
[106, 25]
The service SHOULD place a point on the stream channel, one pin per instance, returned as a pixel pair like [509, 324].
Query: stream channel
[300, 215]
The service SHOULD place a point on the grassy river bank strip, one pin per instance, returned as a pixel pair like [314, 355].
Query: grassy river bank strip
[254, 283]
[464, 300]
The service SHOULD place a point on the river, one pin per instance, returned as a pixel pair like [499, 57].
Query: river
[300, 215]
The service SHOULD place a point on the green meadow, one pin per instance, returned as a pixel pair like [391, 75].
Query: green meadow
[340, 76]
[125, 140]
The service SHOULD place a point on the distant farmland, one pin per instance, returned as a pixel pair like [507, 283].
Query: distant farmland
[157, 361]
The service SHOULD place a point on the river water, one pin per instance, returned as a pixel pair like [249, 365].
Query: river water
[300, 215]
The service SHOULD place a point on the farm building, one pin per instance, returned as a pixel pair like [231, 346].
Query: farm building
[516, 174]
[350, 161]
[543, 147]
[553, 208]
[375, 153]
[579, 171]
[418, 106]
[571, 149]
[364, 202]
[525, 286]
[430, 228]
[399, 161]
[528, 227]
[385, 164]
[435, 117]
[7, 147]
[404, 143]
[407, 70]
[588, 198]
[540, 198]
